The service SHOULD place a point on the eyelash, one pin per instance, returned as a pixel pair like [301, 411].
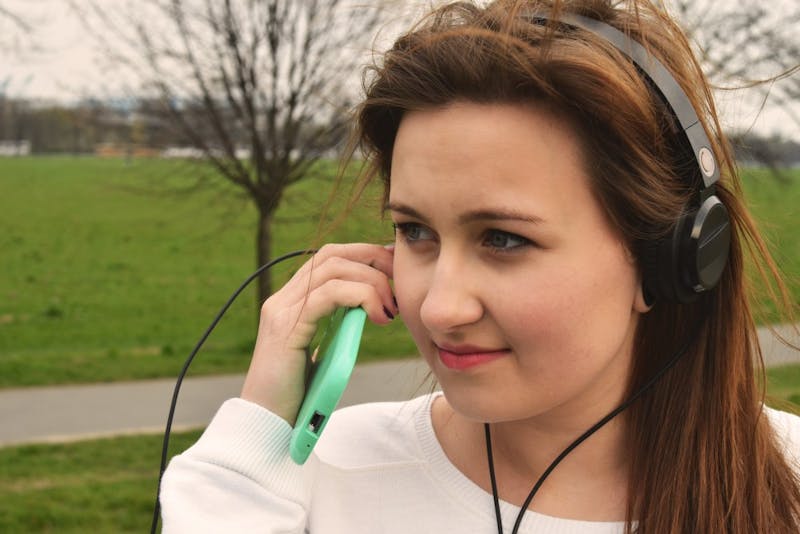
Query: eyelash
[405, 229]
[523, 242]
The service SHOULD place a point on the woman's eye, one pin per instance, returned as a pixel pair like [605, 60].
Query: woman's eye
[413, 231]
[504, 241]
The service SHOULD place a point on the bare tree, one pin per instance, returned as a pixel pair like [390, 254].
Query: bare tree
[15, 20]
[750, 44]
[13, 28]
[260, 86]
[19, 24]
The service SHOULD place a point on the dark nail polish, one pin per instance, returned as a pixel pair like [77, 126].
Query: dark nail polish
[388, 313]
[394, 299]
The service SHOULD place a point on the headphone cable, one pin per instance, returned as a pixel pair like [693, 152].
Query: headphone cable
[182, 374]
[597, 426]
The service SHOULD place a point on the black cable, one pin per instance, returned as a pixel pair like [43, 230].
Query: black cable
[182, 374]
[597, 426]
[492, 477]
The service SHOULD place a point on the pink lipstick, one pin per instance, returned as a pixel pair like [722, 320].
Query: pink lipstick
[460, 358]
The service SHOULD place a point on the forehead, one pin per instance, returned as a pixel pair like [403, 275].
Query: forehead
[516, 156]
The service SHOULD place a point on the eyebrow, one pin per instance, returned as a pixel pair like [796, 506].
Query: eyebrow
[497, 214]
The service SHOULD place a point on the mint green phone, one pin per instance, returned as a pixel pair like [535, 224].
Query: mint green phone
[329, 377]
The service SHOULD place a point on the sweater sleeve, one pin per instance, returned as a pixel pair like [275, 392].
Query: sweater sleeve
[787, 429]
[238, 477]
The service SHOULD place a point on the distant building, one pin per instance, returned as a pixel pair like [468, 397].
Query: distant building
[124, 150]
[15, 148]
[181, 152]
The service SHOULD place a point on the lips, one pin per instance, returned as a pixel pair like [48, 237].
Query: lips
[467, 357]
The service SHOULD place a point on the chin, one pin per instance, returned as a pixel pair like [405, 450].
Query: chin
[479, 407]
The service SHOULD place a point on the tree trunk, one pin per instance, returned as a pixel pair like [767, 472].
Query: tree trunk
[263, 245]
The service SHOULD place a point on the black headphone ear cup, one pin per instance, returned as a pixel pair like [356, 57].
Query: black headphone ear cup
[661, 267]
[674, 269]
[705, 245]
[692, 259]
[650, 278]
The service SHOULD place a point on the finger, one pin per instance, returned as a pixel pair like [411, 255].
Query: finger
[304, 279]
[345, 293]
[338, 268]
[376, 256]
[291, 327]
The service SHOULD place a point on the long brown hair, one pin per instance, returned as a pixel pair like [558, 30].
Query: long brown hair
[703, 455]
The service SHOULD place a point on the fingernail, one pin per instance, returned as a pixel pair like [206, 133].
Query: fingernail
[389, 247]
[394, 299]
[388, 313]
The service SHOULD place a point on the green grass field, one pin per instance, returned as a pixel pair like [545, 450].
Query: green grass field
[783, 385]
[105, 486]
[775, 205]
[110, 273]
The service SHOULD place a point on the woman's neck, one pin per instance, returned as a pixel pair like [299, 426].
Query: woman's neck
[589, 484]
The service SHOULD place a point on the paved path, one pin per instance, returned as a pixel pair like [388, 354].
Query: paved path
[67, 413]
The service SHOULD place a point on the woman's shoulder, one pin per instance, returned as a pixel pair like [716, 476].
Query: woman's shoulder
[787, 429]
[377, 433]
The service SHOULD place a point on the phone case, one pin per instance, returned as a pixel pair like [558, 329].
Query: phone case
[328, 381]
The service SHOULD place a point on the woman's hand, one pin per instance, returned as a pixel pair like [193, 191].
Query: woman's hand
[338, 275]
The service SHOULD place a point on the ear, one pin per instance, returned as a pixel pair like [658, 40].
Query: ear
[643, 301]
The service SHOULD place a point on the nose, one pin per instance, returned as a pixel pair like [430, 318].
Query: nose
[452, 299]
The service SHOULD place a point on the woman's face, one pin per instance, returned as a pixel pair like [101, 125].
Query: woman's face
[519, 293]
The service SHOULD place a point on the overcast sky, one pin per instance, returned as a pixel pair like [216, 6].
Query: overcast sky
[65, 66]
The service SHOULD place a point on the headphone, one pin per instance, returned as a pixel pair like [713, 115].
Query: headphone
[689, 261]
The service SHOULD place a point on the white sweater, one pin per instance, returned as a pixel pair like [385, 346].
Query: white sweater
[378, 468]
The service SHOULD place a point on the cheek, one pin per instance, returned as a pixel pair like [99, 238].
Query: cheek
[533, 315]
[568, 313]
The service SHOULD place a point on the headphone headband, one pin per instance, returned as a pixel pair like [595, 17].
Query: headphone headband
[691, 260]
[663, 82]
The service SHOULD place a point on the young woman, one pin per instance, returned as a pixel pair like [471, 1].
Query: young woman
[569, 251]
